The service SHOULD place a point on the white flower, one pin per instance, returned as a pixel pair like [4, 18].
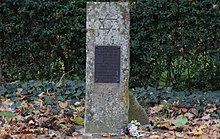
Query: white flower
[135, 122]
[133, 130]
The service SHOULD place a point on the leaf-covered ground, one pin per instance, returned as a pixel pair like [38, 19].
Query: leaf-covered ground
[48, 110]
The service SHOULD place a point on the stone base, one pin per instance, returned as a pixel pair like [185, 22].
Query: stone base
[136, 112]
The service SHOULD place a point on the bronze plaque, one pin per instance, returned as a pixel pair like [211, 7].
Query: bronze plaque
[107, 64]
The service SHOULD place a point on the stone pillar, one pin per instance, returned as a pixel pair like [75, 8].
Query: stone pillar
[107, 66]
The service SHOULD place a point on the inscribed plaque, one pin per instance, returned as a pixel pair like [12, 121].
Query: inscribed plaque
[107, 64]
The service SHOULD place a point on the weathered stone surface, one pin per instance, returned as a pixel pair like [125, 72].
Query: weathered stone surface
[136, 112]
[107, 103]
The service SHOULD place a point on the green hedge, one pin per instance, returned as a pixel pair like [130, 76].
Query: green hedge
[42, 39]
[173, 43]
[176, 43]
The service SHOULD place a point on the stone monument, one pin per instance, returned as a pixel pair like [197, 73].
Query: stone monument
[107, 66]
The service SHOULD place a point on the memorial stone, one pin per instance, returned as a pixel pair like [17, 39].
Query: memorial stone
[107, 66]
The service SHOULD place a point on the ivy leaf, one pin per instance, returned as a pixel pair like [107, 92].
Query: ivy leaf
[49, 101]
[7, 114]
[3, 90]
[78, 120]
[63, 126]
[180, 121]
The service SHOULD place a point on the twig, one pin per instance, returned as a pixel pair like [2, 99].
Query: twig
[59, 83]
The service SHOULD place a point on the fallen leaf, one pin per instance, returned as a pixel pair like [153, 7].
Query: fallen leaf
[77, 104]
[7, 104]
[194, 111]
[155, 109]
[41, 94]
[211, 108]
[7, 114]
[63, 126]
[63, 104]
[28, 136]
[179, 135]
[31, 122]
[42, 120]
[21, 97]
[206, 117]
[165, 124]
[2, 133]
[154, 137]
[2, 98]
[24, 105]
[19, 90]
[78, 120]
[197, 132]
[105, 135]
[184, 110]
[180, 121]
[175, 104]
[75, 134]
[189, 115]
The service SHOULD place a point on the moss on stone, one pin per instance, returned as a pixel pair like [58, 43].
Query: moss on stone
[136, 112]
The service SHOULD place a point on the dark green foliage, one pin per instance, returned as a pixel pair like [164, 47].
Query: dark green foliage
[48, 92]
[33, 90]
[173, 43]
[194, 99]
[7, 114]
[42, 39]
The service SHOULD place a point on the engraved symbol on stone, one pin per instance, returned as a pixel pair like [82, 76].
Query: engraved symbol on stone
[107, 23]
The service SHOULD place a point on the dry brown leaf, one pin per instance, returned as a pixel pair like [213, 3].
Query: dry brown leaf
[179, 135]
[2, 133]
[43, 110]
[105, 135]
[194, 111]
[42, 120]
[168, 135]
[21, 97]
[7, 105]
[2, 108]
[2, 98]
[154, 137]
[61, 121]
[184, 110]
[28, 136]
[52, 95]
[211, 108]
[63, 104]
[189, 115]
[155, 109]
[165, 124]
[206, 117]
[187, 128]
[175, 104]
[24, 105]
[75, 134]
